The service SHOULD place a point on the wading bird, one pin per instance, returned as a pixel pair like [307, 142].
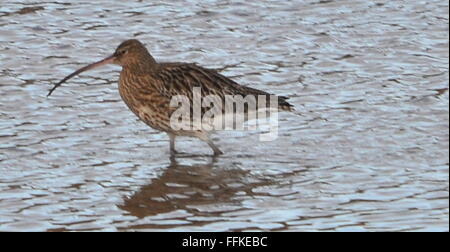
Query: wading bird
[147, 87]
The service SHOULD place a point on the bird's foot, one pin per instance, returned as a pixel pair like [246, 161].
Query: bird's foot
[218, 152]
[177, 153]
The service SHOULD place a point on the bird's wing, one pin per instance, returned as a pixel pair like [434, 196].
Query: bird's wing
[181, 78]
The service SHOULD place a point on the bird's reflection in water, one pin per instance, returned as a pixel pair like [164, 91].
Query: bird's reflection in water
[183, 186]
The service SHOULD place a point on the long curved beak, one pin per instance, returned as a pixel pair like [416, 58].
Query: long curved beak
[107, 60]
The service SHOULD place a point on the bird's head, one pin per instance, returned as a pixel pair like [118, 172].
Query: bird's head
[130, 54]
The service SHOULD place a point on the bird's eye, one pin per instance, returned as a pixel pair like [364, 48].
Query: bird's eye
[122, 52]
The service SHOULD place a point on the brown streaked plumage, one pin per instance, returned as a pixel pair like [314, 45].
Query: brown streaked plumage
[147, 87]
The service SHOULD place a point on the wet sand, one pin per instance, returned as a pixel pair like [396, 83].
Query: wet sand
[366, 150]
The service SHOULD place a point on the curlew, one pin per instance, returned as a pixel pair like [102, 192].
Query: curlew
[147, 87]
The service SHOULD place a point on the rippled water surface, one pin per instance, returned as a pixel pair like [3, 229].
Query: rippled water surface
[366, 150]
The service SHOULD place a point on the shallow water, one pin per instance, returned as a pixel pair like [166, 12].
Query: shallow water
[366, 150]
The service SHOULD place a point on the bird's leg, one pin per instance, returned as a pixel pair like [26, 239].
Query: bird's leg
[172, 144]
[205, 138]
[214, 147]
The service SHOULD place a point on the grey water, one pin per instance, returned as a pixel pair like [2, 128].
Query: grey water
[367, 148]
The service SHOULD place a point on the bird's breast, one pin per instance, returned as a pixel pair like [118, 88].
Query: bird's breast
[144, 101]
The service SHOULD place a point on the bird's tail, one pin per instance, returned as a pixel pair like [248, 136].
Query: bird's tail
[284, 105]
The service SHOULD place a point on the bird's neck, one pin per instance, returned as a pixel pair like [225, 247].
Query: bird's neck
[143, 64]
